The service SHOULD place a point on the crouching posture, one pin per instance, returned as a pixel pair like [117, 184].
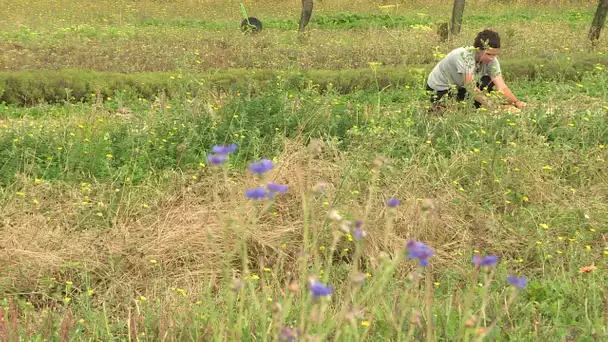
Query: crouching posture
[473, 67]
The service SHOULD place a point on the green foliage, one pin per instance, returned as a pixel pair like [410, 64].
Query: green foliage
[118, 228]
[34, 87]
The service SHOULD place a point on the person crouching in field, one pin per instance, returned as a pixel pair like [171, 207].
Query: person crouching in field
[469, 67]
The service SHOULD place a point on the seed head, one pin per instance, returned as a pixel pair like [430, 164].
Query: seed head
[319, 187]
[293, 287]
[470, 322]
[415, 319]
[237, 285]
[353, 314]
[427, 204]
[379, 161]
[358, 279]
[345, 227]
[383, 256]
[335, 215]
[414, 276]
[315, 147]
[276, 308]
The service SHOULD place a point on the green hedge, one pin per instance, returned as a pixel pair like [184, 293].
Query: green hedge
[45, 86]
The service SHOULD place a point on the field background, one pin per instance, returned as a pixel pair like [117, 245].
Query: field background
[115, 227]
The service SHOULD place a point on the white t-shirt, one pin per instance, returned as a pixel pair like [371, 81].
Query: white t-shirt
[451, 69]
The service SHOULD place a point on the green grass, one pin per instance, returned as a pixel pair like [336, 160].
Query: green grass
[115, 226]
[102, 170]
[33, 87]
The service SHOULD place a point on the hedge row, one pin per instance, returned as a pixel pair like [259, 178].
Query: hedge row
[46, 86]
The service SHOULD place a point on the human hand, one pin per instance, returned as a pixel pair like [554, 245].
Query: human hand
[511, 109]
[520, 104]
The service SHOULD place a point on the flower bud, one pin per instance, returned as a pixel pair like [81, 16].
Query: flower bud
[427, 204]
[237, 285]
[470, 322]
[415, 319]
[345, 227]
[315, 147]
[358, 279]
[319, 187]
[335, 215]
[293, 287]
[379, 161]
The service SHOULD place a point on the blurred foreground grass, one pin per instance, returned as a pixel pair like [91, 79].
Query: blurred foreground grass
[115, 225]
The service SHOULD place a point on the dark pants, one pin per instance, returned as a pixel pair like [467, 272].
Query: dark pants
[461, 93]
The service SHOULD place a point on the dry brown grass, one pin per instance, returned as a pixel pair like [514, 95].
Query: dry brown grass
[186, 233]
[281, 50]
[117, 44]
[108, 12]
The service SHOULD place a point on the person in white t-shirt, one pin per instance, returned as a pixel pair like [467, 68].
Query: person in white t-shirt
[474, 67]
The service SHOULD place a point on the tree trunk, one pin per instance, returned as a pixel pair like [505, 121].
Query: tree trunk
[598, 20]
[457, 12]
[306, 13]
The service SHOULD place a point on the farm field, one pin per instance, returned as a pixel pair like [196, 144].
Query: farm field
[164, 177]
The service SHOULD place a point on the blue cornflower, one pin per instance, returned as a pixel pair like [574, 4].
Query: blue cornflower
[393, 202]
[319, 289]
[489, 260]
[358, 232]
[255, 193]
[274, 187]
[223, 149]
[261, 167]
[420, 251]
[220, 153]
[217, 159]
[520, 283]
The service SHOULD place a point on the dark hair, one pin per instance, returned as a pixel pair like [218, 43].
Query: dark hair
[487, 38]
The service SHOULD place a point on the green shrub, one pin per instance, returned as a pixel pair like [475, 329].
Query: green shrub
[45, 86]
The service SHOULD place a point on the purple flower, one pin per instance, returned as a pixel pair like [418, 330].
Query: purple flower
[520, 283]
[261, 167]
[420, 251]
[274, 187]
[255, 193]
[393, 202]
[319, 289]
[358, 232]
[288, 335]
[223, 149]
[489, 260]
[217, 159]
[220, 153]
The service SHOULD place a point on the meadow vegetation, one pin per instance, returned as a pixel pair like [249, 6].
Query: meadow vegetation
[316, 200]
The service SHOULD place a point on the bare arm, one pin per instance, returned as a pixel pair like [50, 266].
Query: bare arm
[501, 86]
[469, 82]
